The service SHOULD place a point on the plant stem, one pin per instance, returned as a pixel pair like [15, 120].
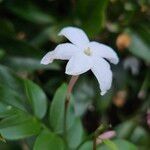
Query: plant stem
[94, 143]
[69, 91]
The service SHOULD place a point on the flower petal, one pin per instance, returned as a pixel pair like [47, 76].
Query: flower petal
[75, 35]
[101, 50]
[78, 64]
[62, 51]
[101, 70]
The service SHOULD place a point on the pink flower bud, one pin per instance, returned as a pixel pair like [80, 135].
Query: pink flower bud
[104, 136]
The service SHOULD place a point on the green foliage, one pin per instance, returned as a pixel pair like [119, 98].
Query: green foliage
[17, 124]
[37, 98]
[56, 116]
[118, 144]
[48, 140]
[32, 113]
[139, 47]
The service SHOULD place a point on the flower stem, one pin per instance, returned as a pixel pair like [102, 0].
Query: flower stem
[94, 143]
[69, 91]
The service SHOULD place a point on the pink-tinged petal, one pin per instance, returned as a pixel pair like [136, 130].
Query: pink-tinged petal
[78, 64]
[75, 35]
[104, 136]
[63, 51]
[101, 70]
[101, 50]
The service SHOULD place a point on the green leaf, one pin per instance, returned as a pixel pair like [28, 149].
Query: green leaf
[18, 125]
[140, 136]
[124, 145]
[6, 110]
[121, 145]
[49, 33]
[75, 134]
[95, 18]
[139, 47]
[48, 140]
[12, 97]
[57, 110]
[37, 98]
[28, 64]
[87, 146]
[9, 79]
[110, 144]
[6, 28]
[30, 12]
[125, 129]
[19, 48]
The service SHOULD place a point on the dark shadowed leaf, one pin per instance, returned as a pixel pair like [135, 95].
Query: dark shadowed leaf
[92, 16]
[139, 47]
[37, 98]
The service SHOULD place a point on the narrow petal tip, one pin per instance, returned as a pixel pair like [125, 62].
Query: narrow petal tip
[103, 92]
[48, 58]
[44, 62]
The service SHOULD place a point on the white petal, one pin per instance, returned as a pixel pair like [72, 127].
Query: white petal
[78, 64]
[101, 70]
[62, 51]
[101, 50]
[75, 35]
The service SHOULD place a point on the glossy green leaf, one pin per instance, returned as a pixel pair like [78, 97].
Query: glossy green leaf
[48, 140]
[12, 97]
[57, 111]
[9, 79]
[75, 134]
[18, 125]
[37, 98]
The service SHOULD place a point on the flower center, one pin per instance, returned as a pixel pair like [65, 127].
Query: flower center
[88, 52]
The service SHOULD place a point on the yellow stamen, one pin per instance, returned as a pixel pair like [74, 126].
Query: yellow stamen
[88, 51]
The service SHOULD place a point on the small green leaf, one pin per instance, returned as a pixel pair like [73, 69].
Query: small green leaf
[37, 98]
[110, 144]
[124, 145]
[75, 134]
[19, 125]
[57, 110]
[121, 145]
[48, 141]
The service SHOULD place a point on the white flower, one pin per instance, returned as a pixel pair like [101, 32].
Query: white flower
[84, 55]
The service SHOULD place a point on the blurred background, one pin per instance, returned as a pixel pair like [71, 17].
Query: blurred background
[28, 30]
